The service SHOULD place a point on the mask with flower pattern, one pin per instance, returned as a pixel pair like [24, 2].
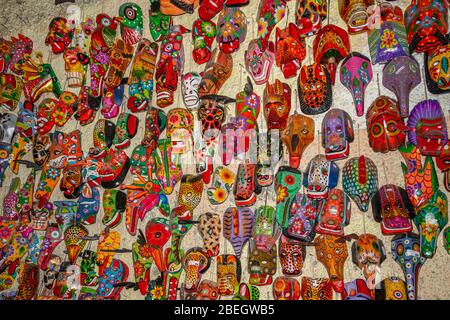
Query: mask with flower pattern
[20, 47]
[302, 219]
[290, 50]
[270, 12]
[60, 35]
[231, 29]
[287, 183]
[203, 35]
[258, 62]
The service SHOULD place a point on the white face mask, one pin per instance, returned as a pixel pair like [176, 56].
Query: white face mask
[189, 86]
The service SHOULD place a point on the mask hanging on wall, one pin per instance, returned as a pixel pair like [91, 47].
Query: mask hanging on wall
[131, 24]
[120, 55]
[292, 256]
[355, 13]
[285, 288]
[232, 29]
[259, 62]
[287, 183]
[270, 12]
[320, 177]
[334, 214]
[314, 89]
[155, 124]
[356, 290]
[447, 239]
[20, 47]
[443, 163]
[60, 35]
[217, 71]
[316, 289]
[277, 105]
[203, 35]
[210, 229]
[208, 9]
[391, 288]
[237, 227]
[221, 186]
[337, 134]
[297, 136]
[262, 263]
[246, 187]
[302, 220]
[75, 62]
[436, 71]
[290, 50]
[159, 24]
[114, 204]
[309, 15]
[10, 91]
[228, 274]
[176, 8]
[190, 83]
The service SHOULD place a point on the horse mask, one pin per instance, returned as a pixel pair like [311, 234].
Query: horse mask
[337, 133]
[320, 177]
[334, 213]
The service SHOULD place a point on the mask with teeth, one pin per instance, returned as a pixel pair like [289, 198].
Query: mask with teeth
[189, 87]
[309, 15]
[316, 289]
[320, 177]
[356, 14]
[203, 34]
[40, 216]
[228, 274]
[113, 168]
[232, 29]
[427, 128]
[262, 263]
[337, 133]
[74, 65]
[291, 50]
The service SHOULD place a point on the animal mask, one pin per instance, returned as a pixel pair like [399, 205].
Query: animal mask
[20, 47]
[292, 256]
[10, 91]
[228, 274]
[262, 263]
[246, 187]
[73, 238]
[196, 262]
[426, 22]
[72, 181]
[297, 136]
[131, 24]
[316, 289]
[60, 35]
[388, 39]
[443, 163]
[237, 227]
[126, 128]
[114, 204]
[436, 72]
[120, 55]
[391, 288]
[167, 171]
[103, 37]
[155, 123]
[212, 114]
[210, 228]
[41, 146]
[314, 89]
[190, 83]
[290, 50]
[247, 292]
[170, 66]
[217, 71]
[337, 133]
[74, 65]
[401, 75]
[320, 177]
[180, 127]
[355, 14]
[207, 290]
[258, 62]
[427, 128]
[393, 209]
[103, 135]
[232, 29]
[264, 227]
[368, 254]
[334, 213]
[420, 178]
[385, 125]
[287, 183]
[203, 35]
[356, 73]
[277, 105]
[332, 255]
[270, 12]
[330, 47]
[116, 273]
[356, 290]
[309, 15]
[88, 205]
[208, 9]
[113, 168]
[360, 181]
[430, 219]
[302, 221]
[285, 288]
[159, 23]
[406, 252]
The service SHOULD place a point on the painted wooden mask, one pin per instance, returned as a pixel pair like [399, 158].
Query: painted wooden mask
[262, 264]
[314, 89]
[391, 288]
[131, 24]
[286, 288]
[231, 29]
[60, 35]
[290, 50]
[292, 256]
[203, 35]
[277, 104]
[355, 14]
[259, 62]
[309, 15]
[334, 213]
[302, 220]
[195, 263]
[228, 274]
[217, 71]
[320, 177]
[287, 183]
[316, 289]
[337, 134]
[270, 12]
[237, 227]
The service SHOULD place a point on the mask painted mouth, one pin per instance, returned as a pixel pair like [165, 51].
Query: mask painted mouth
[229, 44]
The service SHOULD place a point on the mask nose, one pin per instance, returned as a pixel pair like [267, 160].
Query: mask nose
[295, 141]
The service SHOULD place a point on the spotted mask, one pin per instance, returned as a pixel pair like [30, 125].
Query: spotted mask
[337, 134]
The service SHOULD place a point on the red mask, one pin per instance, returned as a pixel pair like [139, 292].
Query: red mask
[277, 104]
[203, 35]
[290, 50]
[232, 29]
[217, 71]
[60, 35]
[285, 288]
[208, 9]
[309, 15]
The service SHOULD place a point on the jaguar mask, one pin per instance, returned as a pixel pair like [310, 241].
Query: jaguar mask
[277, 105]
[316, 289]
[290, 50]
[309, 15]
[314, 89]
[292, 256]
[228, 274]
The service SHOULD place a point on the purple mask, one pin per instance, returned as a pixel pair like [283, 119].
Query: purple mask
[337, 133]
[237, 227]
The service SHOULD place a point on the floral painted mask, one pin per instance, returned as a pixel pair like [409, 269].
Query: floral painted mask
[332, 255]
[21, 46]
[360, 181]
[426, 22]
[309, 15]
[232, 29]
[113, 168]
[385, 125]
[195, 262]
[292, 256]
[60, 35]
[334, 214]
[285, 288]
[368, 254]
[290, 50]
[391, 288]
[167, 171]
[331, 46]
[427, 128]
[314, 89]
[217, 71]
[259, 62]
[270, 12]
[221, 185]
[401, 75]
[406, 252]
[262, 263]
[297, 136]
[356, 73]
[237, 227]
[316, 289]
[355, 13]
[320, 177]
[302, 221]
[277, 105]
[430, 219]
[10, 91]
[337, 133]
[287, 183]
[159, 23]
[393, 209]
[114, 204]
[131, 24]
[203, 35]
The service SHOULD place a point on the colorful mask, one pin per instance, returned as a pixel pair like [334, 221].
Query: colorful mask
[401, 75]
[246, 187]
[207, 290]
[88, 205]
[247, 292]
[155, 123]
[262, 263]
[297, 136]
[337, 133]
[334, 214]
[217, 71]
[393, 209]
[258, 62]
[120, 55]
[208, 9]
[332, 255]
[356, 73]
[21, 46]
[388, 39]
[368, 254]
[447, 239]
[189, 86]
[98, 69]
[210, 228]
[74, 65]
[316, 289]
[437, 73]
[103, 37]
[126, 128]
[114, 204]
[270, 12]
[167, 172]
[73, 238]
[309, 15]
[331, 46]
[221, 185]
[203, 34]
[26, 122]
[302, 221]
[320, 177]
[285, 288]
[391, 288]
[180, 127]
[170, 66]
[356, 290]
[190, 192]
[10, 91]
[420, 178]
[232, 29]
[112, 100]
[107, 243]
[430, 219]
[355, 13]
[287, 183]
[427, 23]
[28, 281]
[116, 273]
[132, 25]
[195, 262]
[290, 50]
[427, 128]
[292, 256]
[159, 23]
[314, 89]
[175, 8]
[113, 168]
[277, 105]
[60, 35]
[443, 163]
[212, 114]
[406, 251]
[228, 274]
[72, 181]
[83, 34]
[237, 227]
[103, 135]
[264, 227]
[88, 272]
[360, 181]
[140, 83]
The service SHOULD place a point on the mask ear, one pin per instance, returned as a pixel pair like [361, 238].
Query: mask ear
[407, 202]
[376, 208]
[349, 127]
